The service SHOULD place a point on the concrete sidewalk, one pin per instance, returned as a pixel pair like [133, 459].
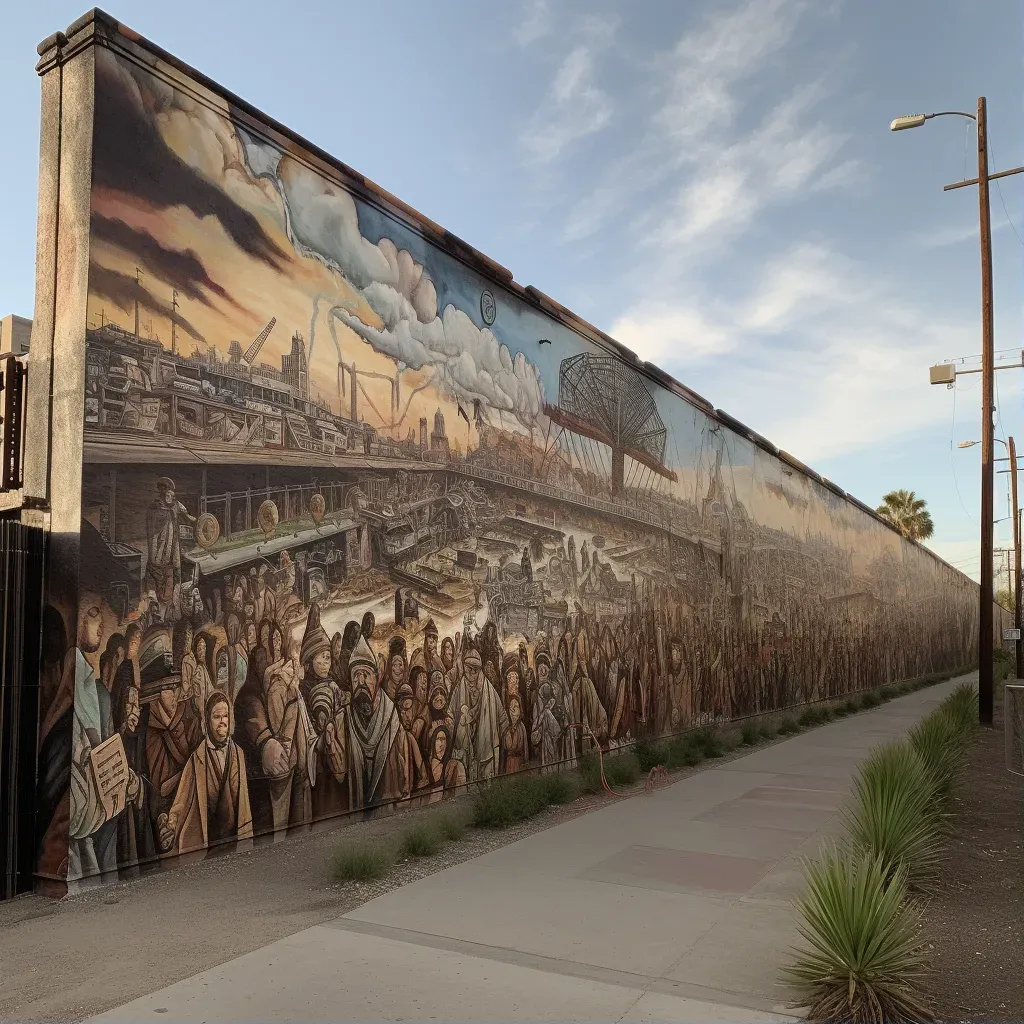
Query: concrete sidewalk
[676, 906]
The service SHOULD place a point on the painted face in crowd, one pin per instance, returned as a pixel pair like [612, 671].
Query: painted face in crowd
[364, 690]
[398, 667]
[440, 744]
[219, 723]
[406, 712]
[322, 664]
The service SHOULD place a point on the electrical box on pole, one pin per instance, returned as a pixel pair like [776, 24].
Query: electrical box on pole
[944, 373]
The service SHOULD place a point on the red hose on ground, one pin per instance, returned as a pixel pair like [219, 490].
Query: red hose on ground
[657, 776]
[600, 758]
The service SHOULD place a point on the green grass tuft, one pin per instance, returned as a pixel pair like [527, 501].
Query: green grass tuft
[682, 752]
[452, 828]
[423, 840]
[504, 802]
[808, 718]
[649, 753]
[361, 862]
[709, 742]
[621, 770]
[559, 788]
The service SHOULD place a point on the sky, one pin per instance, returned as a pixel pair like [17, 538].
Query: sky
[713, 183]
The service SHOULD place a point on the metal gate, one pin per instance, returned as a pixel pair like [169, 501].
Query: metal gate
[21, 580]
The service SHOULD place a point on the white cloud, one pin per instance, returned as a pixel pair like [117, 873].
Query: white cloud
[689, 141]
[954, 234]
[809, 280]
[535, 23]
[673, 332]
[734, 179]
[574, 106]
[707, 65]
[816, 356]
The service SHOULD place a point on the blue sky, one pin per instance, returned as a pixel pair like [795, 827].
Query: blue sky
[712, 182]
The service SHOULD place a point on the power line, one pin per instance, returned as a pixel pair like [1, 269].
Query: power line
[1002, 200]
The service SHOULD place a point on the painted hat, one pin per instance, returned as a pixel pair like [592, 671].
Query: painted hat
[430, 628]
[542, 655]
[471, 656]
[315, 640]
[362, 657]
[396, 646]
[404, 693]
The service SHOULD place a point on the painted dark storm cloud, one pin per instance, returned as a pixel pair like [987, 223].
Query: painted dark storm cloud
[156, 174]
[123, 290]
[181, 270]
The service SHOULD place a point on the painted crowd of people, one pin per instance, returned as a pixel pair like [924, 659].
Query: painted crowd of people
[240, 715]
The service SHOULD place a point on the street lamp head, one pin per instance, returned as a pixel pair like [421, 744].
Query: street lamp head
[966, 444]
[908, 121]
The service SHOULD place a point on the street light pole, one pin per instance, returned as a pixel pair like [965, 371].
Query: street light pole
[986, 634]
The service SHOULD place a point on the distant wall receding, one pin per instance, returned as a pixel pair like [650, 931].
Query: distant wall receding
[362, 520]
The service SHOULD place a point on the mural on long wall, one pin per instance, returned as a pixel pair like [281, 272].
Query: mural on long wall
[361, 527]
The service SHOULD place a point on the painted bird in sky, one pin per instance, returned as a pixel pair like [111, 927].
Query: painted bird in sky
[543, 341]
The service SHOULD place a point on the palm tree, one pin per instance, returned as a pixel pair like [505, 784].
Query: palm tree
[908, 513]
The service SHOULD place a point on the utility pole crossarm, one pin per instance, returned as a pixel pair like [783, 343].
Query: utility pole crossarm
[974, 181]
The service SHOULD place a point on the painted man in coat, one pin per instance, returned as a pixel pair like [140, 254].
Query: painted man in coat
[479, 720]
[381, 762]
[211, 806]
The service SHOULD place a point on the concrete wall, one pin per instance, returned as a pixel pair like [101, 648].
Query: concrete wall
[362, 520]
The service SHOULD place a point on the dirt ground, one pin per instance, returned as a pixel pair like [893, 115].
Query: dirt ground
[975, 923]
[70, 959]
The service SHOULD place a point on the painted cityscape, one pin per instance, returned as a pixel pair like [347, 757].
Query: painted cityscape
[360, 526]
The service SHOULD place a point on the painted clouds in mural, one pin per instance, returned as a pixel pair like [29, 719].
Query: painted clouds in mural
[353, 535]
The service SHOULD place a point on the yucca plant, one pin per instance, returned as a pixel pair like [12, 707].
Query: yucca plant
[865, 960]
[939, 742]
[894, 813]
[962, 706]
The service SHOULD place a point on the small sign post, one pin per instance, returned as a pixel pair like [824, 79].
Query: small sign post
[1011, 634]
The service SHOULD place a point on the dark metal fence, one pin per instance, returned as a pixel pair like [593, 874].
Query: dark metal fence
[21, 579]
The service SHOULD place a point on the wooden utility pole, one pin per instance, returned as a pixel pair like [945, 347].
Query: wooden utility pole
[986, 632]
[986, 638]
[1015, 590]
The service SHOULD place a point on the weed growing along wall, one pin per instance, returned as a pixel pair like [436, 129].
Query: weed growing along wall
[363, 521]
